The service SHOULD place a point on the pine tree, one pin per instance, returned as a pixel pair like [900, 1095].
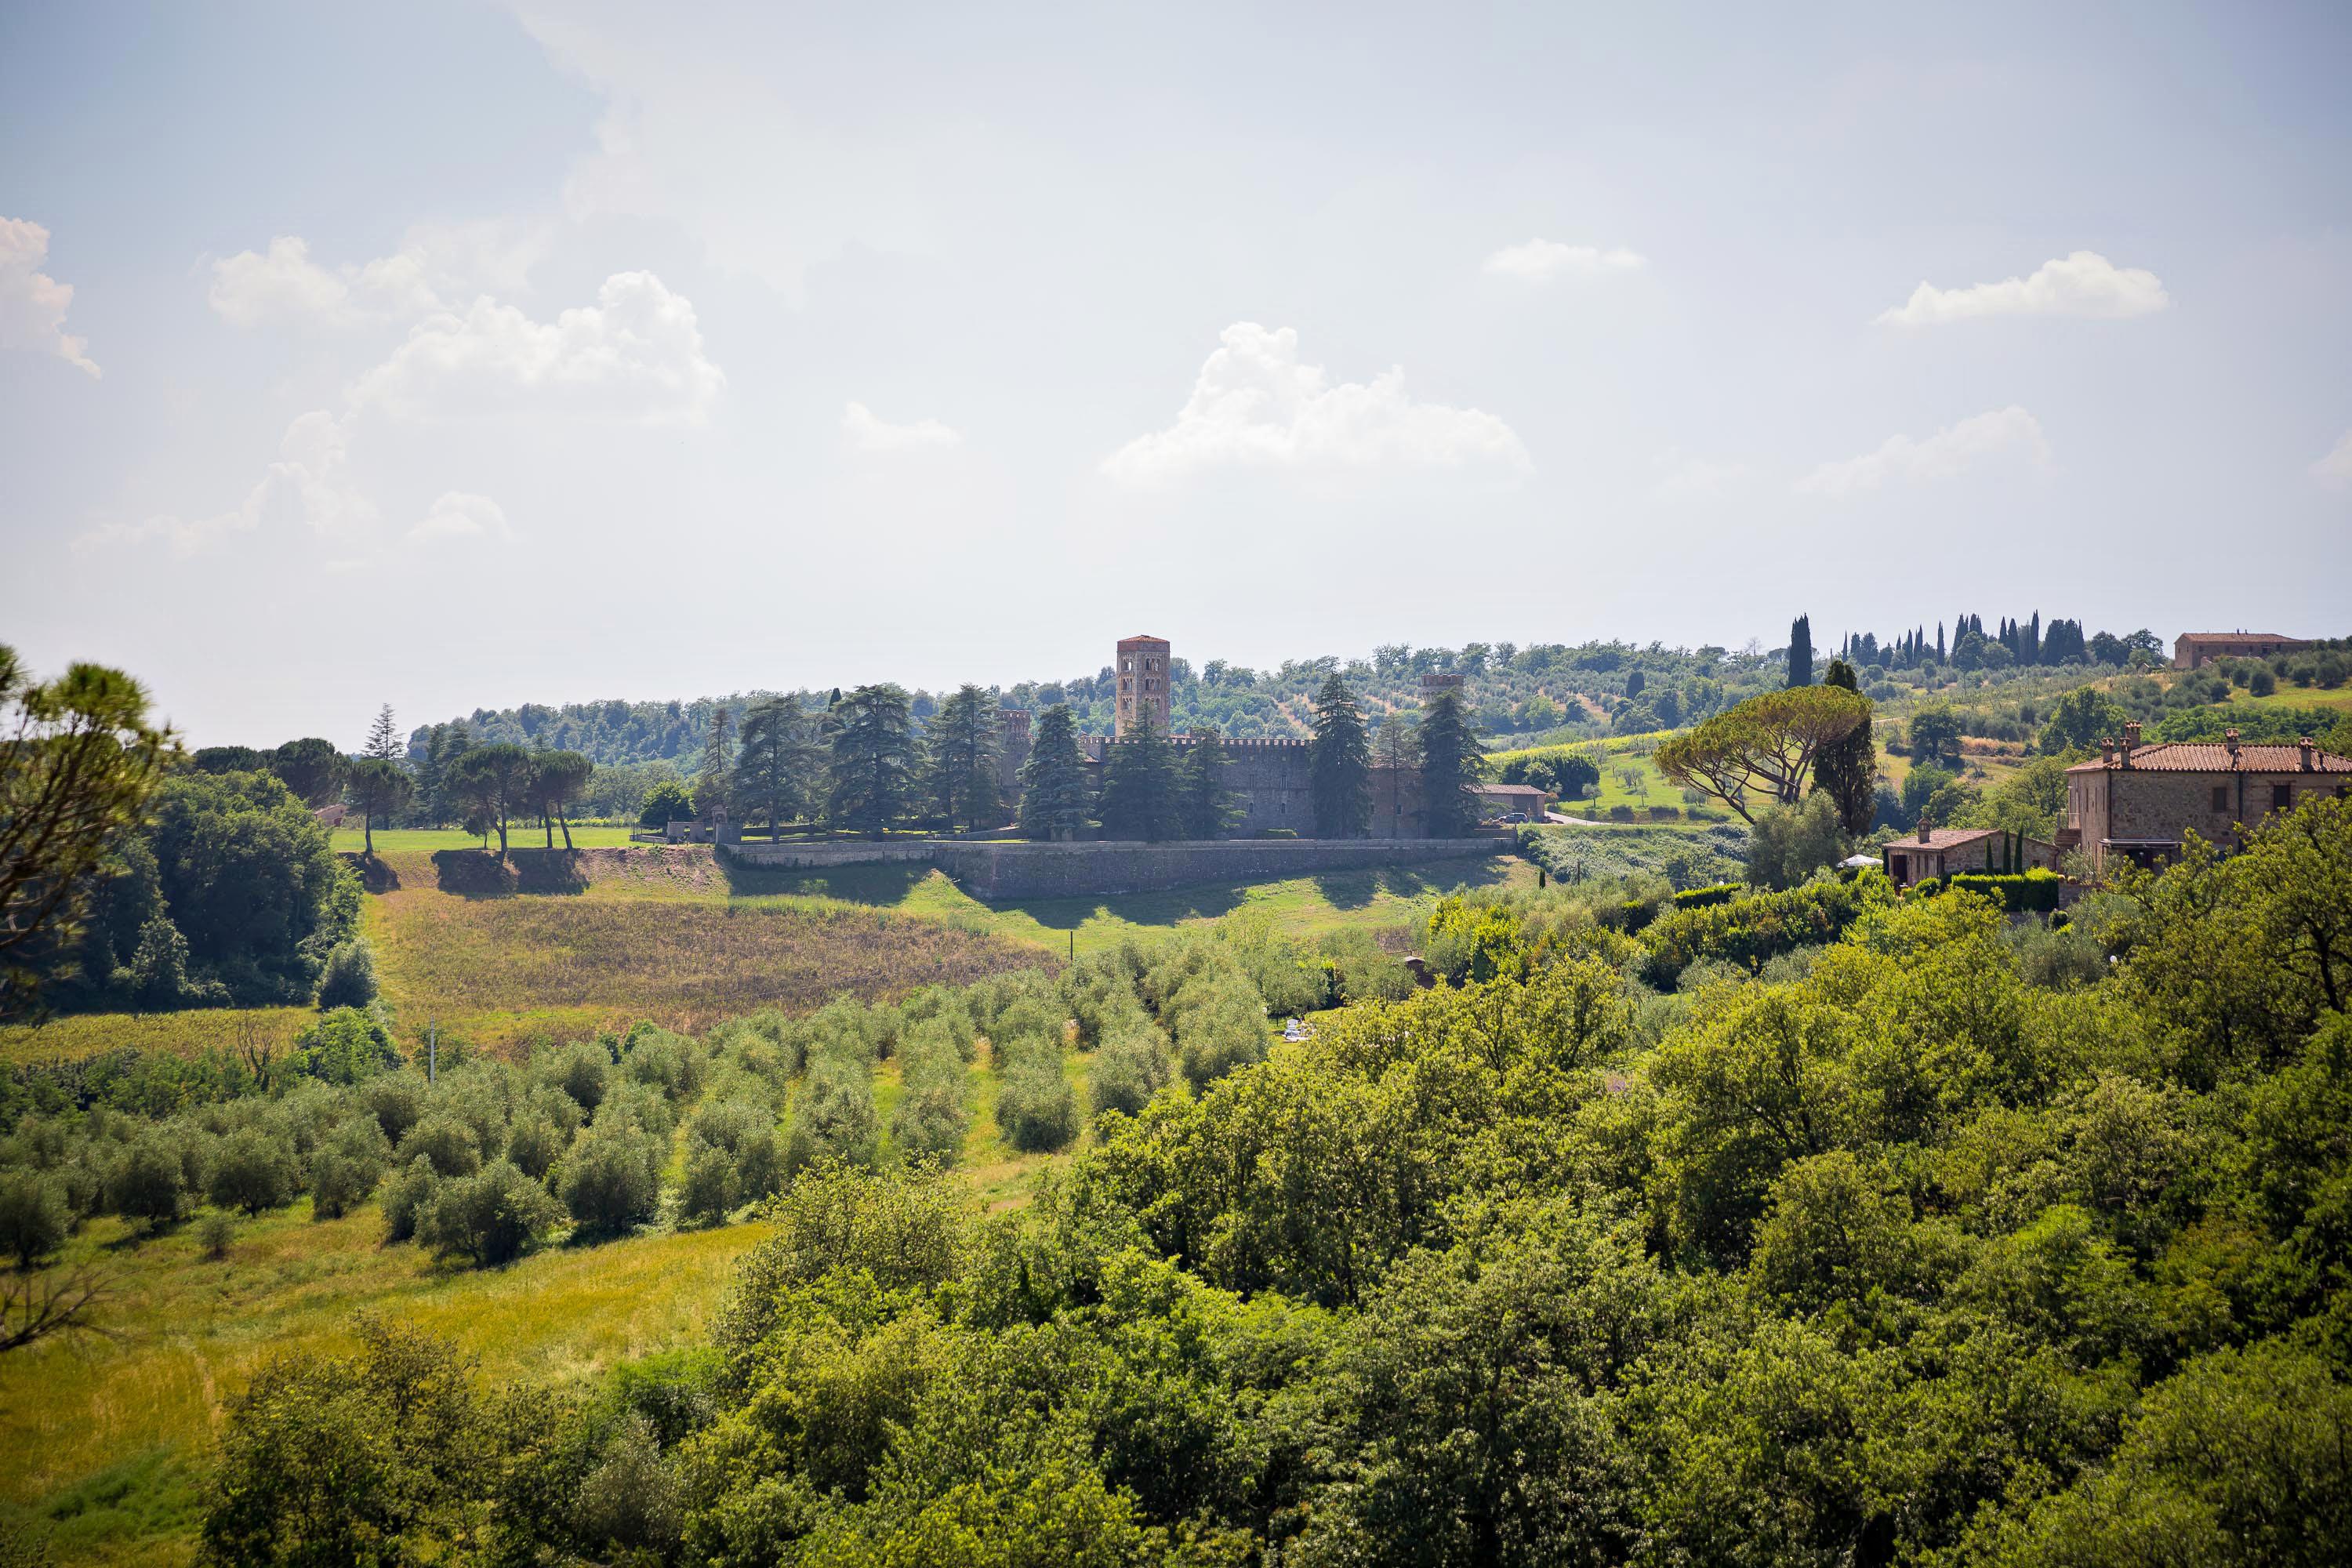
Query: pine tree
[779, 764]
[384, 738]
[1800, 651]
[873, 774]
[1206, 807]
[1847, 769]
[1139, 793]
[1339, 765]
[960, 781]
[1450, 763]
[718, 762]
[446, 746]
[1055, 801]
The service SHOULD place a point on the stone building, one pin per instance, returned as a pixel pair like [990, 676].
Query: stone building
[1142, 668]
[2192, 650]
[2138, 801]
[1951, 851]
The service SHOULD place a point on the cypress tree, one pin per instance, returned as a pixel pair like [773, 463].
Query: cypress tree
[1940, 642]
[1847, 769]
[1205, 806]
[1800, 651]
[1339, 765]
[1139, 793]
[1451, 762]
[1056, 802]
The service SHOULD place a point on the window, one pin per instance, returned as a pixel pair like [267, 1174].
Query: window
[2282, 798]
[2221, 797]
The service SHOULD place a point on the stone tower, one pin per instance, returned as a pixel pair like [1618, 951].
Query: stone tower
[1142, 668]
[1433, 681]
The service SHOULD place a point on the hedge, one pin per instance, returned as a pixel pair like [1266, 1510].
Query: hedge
[1700, 898]
[1749, 930]
[2036, 889]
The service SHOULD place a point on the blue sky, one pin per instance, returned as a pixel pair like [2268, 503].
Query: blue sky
[456, 356]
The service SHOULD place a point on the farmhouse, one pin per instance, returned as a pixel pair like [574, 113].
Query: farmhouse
[2190, 650]
[2139, 801]
[1949, 851]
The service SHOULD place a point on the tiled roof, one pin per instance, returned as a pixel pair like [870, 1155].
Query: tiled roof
[1938, 839]
[2212, 757]
[2234, 636]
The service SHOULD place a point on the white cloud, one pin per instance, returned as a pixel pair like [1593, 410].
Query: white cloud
[870, 434]
[2083, 284]
[1541, 260]
[458, 515]
[2335, 470]
[1940, 457]
[309, 484]
[32, 303]
[434, 263]
[1256, 406]
[635, 354]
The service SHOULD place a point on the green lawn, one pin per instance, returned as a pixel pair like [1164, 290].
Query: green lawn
[401, 840]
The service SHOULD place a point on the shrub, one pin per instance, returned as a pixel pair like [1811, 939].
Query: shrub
[252, 1171]
[1036, 1109]
[407, 1198]
[491, 1218]
[396, 1101]
[148, 1182]
[1749, 930]
[34, 1219]
[347, 1046]
[1135, 1064]
[611, 1181]
[834, 1119]
[935, 1111]
[535, 1145]
[447, 1140]
[710, 1190]
[338, 1184]
[216, 1231]
[580, 1071]
[1704, 898]
[2035, 890]
[349, 978]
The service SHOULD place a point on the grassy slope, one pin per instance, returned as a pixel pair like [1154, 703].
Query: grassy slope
[106, 1434]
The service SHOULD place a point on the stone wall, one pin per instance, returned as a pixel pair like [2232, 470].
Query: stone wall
[817, 857]
[2157, 805]
[997, 873]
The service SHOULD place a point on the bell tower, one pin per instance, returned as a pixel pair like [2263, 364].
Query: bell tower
[1141, 670]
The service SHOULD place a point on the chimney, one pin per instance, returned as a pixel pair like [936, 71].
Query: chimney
[2229, 739]
[2131, 734]
[2106, 751]
[1923, 827]
[2303, 744]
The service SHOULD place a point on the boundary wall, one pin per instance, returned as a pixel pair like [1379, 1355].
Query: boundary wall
[996, 871]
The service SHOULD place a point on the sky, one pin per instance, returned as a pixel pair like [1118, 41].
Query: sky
[456, 356]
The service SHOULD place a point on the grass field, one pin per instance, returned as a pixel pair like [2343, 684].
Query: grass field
[106, 1433]
[185, 1033]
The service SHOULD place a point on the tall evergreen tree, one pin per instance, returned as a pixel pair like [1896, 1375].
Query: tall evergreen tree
[384, 740]
[1057, 803]
[780, 766]
[1139, 793]
[1450, 763]
[1847, 769]
[1800, 651]
[1940, 642]
[1339, 765]
[959, 780]
[2030, 652]
[380, 787]
[1206, 807]
[873, 759]
[1394, 752]
[446, 746]
[711, 779]
[493, 783]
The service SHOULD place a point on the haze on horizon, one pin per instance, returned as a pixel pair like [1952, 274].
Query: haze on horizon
[459, 356]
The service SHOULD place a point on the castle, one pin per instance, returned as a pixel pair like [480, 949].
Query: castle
[1269, 777]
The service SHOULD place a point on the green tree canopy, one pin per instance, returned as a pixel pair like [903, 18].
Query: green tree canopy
[1847, 771]
[1056, 801]
[557, 779]
[1768, 745]
[1138, 791]
[313, 769]
[1206, 806]
[779, 768]
[960, 772]
[382, 788]
[1339, 765]
[1451, 763]
[873, 760]
[493, 783]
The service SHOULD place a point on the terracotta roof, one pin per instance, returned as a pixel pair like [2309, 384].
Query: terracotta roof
[1140, 636]
[2234, 636]
[2212, 757]
[1939, 838]
[1512, 791]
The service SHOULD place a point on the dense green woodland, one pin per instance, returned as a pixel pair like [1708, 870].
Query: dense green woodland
[1824, 1226]
[1535, 690]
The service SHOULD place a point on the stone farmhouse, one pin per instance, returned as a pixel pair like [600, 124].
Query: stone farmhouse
[2192, 651]
[1953, 851]
[2138, 801]
[1268, 776]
